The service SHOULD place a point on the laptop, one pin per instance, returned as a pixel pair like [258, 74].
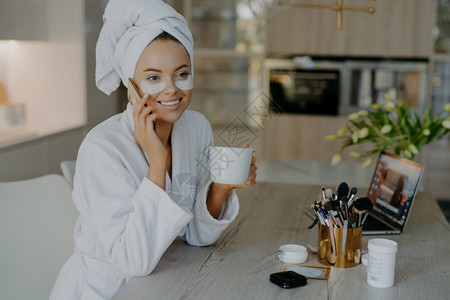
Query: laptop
[392, 190]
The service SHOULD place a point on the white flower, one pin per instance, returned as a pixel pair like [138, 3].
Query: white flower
[336, 159]
[388, 97]
[389, 106]
[331, 137]
[342, 131]
[353, 116]
[407, 153]
[446, 124]
[413, 149]
[355, 137]
[447, 107]
[367, 162]
[426, 132]
[386, 129]
[363, 133]
[363, 113]
[355, 154]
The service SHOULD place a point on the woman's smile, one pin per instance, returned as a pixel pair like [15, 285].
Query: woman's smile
[170, 104]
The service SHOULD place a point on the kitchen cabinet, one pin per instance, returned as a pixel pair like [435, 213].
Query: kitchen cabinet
[400, 28]
[23, 19]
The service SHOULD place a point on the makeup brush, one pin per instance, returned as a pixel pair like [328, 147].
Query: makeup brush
[341, 214]
[344, 237]
[323, 193]
[363, 203]
[364, 219]
[337, 218]
[364, 208]
[328, 207]
[330, 221]
[361, 206]
[314, 223]
[319, 214]
[333, 243]
[353, 192]
[352, 219]
[344, 201]
[318, 218]
[342, 190]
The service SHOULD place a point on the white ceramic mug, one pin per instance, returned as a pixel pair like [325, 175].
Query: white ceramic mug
[230, 165]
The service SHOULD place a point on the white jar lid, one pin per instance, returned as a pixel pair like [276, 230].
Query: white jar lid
[382, 245]
[293, 254]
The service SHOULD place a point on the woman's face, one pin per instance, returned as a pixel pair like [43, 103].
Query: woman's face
[164, 73]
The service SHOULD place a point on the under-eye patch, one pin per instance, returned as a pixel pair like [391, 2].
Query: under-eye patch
[152, 89]
[185, 84]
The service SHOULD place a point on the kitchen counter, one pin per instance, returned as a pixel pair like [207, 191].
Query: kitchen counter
[15, 136]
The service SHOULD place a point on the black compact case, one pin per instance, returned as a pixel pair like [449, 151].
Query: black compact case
[288, 279]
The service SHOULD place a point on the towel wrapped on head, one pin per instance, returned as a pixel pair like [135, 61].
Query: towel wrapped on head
[129, 26]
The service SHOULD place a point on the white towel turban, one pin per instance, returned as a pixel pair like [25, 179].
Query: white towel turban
[129, 26]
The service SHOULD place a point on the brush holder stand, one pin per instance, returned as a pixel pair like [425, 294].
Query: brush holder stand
[350, 257]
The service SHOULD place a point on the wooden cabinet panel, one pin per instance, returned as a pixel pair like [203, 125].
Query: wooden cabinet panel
[302, 137]
[400, 28]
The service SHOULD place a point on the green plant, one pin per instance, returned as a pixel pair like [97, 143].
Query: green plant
[393, 127]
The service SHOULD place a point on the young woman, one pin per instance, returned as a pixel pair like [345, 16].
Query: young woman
[140, 179]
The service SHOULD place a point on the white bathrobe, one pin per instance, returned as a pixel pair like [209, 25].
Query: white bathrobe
[126, 221]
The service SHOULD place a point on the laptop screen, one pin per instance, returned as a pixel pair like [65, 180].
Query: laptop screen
[393, 187]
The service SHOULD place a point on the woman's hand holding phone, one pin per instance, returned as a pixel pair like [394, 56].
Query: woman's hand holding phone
[145, 134]
[144, 131]
[144, 117]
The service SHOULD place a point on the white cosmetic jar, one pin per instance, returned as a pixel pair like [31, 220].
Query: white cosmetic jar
[293, 254]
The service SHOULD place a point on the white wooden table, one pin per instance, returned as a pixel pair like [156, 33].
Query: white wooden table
[271, 215]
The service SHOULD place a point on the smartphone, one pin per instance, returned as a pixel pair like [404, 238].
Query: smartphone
[288, 279]
[133, 92]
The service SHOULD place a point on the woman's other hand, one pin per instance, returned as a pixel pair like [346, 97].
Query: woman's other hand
[219, 191]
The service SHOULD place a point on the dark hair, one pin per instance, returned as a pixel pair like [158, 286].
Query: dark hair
[166, 36]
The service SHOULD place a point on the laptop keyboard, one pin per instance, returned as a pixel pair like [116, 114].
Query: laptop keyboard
[372, 224]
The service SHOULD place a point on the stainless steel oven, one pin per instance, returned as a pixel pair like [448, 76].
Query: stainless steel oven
[340, 86]
[304, 86]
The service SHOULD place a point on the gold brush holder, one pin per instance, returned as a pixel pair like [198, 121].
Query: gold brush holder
[351, 256]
